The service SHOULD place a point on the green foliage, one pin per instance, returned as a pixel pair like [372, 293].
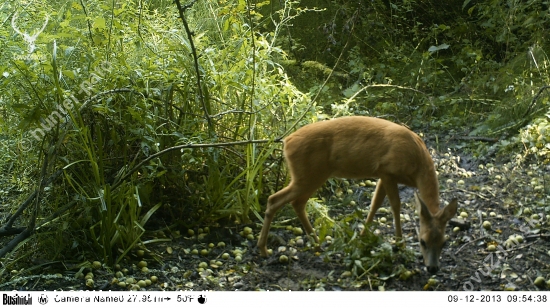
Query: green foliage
[463, 57]
[108, 86]
[368, 255]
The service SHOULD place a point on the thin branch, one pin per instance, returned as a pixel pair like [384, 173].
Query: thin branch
[186, 146]
[120, 90]
[231, 111]
[382, 86]
[57, 213]
[5, 231]
[253, 81]
[26, 203]
[29, 230]
[181, 10]
[476, 138]
[473, 193]
[47, 157]
[473, 241]
[13, 243]
[535, 99]
[88, 22]
[110, 30]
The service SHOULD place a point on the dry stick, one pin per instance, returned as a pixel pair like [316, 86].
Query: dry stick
[185, 146]
[13, 243]
[5, 231]
[481, 228]
[534, 237]
[195, 60]
[509, 250]
[476, 138]
[470, 242]
[535, 99]
[26, 232]
[473, 193]
[47, 156]
[29, 230]
[7, 228]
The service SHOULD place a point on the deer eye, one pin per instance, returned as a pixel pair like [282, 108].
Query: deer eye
[423, 243]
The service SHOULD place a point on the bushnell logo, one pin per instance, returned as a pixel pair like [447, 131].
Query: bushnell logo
[16, 300]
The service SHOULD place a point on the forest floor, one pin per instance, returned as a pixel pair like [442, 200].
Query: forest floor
[512, 198]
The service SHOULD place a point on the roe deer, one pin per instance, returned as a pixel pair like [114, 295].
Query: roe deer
[363, 147]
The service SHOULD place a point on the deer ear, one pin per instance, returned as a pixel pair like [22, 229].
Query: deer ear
[450, 210]
[421, 207]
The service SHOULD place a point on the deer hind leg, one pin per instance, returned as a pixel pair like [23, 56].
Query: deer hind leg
[379, 195]
[299, 206]
[393, 194]
[274, 203]
[295, 193]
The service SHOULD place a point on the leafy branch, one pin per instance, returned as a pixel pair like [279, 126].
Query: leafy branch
[181, 11]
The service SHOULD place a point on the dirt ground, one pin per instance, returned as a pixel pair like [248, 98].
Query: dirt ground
[512, 198]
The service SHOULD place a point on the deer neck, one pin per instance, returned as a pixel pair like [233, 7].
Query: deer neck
[428, 186]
